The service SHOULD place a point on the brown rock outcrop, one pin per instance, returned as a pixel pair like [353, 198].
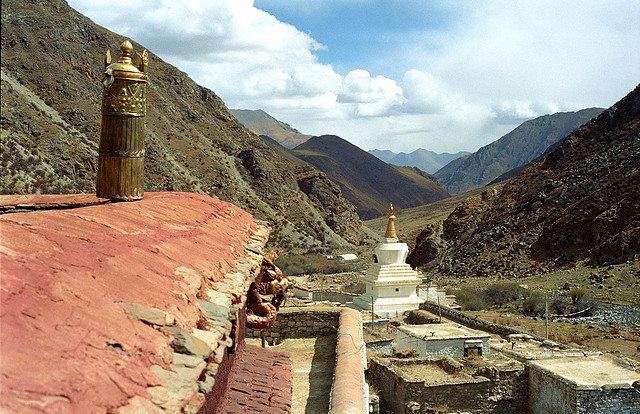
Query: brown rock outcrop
[581, 201]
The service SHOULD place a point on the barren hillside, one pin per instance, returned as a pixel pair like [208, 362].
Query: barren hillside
[369, 183]
[579, 202]
[51, 70]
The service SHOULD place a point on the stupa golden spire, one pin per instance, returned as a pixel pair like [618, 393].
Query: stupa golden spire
[390, 234]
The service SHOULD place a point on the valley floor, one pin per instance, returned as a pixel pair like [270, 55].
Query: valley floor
[616, 326]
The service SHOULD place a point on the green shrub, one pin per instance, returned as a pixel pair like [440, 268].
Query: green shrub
[587, 303]
[561, 305]
[534, 304]
[578, 293]
[503, 293]
[470, 299]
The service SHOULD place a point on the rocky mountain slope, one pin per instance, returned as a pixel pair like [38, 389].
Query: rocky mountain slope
[51, 70]
[369, 183]
[423, 159]
[579, 202]
[517, 148]
[261, 123]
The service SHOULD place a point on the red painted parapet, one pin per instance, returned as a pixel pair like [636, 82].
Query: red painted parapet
[348, 391]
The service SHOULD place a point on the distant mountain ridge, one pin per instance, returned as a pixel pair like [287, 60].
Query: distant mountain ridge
[515, 149]
[577, 202]
[261, 123]
[426, 160]
[384, 155]
[368, 182]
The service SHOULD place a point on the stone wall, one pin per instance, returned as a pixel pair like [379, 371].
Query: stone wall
[300, 322]
[549, 395]
[552, 394]
[475, 322]
[622, 400]
[382, 346]
[500, 392]
[334, 296]
[323, 295]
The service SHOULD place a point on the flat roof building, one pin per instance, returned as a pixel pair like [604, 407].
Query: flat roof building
[592, 384]
[446, 339]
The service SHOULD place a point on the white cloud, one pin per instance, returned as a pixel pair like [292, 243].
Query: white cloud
[459, 88]
[542, 53]
[426, 93]
[370, 96]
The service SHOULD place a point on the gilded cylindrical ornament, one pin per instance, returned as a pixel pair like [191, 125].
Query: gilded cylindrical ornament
[121, 152]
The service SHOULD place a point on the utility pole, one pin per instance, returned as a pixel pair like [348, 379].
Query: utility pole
[439, 310]
[546, 316]
[372, 314]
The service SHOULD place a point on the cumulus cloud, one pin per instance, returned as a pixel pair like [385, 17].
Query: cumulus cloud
[458, 88]
[375, 96]
[541, 53]
[425, 93]
[241, 52]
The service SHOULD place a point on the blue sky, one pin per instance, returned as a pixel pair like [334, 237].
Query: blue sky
[355, 33]
[399, 75]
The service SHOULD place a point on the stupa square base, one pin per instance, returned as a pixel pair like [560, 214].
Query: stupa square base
[388, 307]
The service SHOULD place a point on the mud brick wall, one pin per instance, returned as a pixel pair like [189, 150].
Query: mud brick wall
[503, 393]
[474, 322]
[307, 322]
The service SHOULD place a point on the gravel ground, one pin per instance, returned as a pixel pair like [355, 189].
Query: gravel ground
[610, 315]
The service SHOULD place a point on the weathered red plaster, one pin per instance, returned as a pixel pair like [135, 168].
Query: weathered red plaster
[17, 201]
[66, 345]
[347, 391]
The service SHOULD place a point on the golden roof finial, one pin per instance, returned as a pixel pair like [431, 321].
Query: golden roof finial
[126, 48]
[125, 67]
[391, 227]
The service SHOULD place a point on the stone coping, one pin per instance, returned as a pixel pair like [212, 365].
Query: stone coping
[442, 331]
[309, 309]
[349, 390]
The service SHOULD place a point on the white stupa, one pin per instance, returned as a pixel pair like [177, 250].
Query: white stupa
[390, 283]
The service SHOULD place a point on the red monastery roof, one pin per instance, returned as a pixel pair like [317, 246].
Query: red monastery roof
[70, 278]
[260, 383]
